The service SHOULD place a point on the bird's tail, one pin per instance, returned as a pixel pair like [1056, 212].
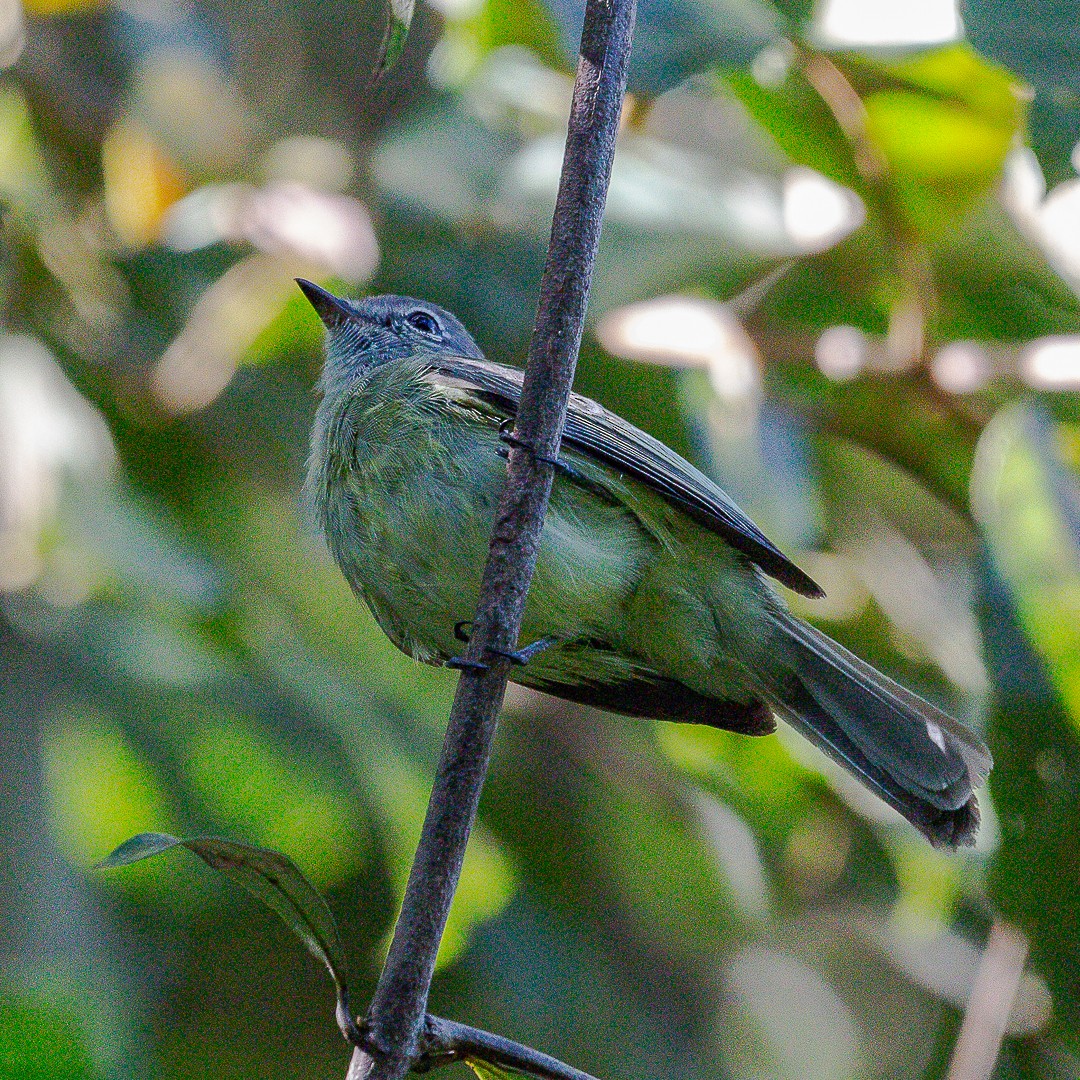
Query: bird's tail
[911, 754]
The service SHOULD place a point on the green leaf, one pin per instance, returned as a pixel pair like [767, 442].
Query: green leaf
[941, 124]
[273, 879]
[397, 31]
[944, 123]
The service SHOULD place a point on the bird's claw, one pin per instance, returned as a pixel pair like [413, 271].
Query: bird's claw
[521, 657]
[463, 663]
[507, 436]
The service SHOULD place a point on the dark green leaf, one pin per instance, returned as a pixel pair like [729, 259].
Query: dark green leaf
[1040, 41]
[673, 39]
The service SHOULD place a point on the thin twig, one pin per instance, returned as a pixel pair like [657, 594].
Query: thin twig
[446, 1040]
[395, 1018]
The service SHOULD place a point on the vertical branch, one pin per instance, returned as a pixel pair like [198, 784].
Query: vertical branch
[396, 1015]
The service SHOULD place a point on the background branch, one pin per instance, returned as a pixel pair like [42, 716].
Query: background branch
[395, 1018]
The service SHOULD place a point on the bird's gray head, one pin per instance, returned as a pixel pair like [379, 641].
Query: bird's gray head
[363, 334]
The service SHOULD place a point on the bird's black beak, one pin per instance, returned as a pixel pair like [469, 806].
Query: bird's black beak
[330, 309]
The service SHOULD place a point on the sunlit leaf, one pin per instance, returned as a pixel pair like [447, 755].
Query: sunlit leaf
[267, 875]
[926, 135]
[944, 124]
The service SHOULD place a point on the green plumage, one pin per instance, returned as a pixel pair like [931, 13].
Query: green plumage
[649, 581]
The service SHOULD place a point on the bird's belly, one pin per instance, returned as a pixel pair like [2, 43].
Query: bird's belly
[419, 543]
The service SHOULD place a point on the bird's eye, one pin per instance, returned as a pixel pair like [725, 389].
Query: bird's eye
[423, 321]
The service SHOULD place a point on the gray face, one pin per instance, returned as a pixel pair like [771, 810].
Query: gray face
[362, 334]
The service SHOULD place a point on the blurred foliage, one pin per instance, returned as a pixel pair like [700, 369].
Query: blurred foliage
[873, 230]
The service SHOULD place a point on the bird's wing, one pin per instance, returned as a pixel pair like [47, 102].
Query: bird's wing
[602, 435]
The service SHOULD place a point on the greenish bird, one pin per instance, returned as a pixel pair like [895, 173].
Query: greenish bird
[650, 591]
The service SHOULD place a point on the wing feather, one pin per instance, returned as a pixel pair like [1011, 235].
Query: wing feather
[608, 438]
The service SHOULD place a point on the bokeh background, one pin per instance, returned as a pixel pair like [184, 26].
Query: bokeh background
[839, 271]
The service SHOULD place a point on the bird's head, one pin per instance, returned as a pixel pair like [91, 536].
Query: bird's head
[364, 334]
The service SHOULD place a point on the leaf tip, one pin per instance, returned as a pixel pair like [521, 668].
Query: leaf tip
[136, 848]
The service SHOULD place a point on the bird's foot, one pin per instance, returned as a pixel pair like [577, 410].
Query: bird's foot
[519, 657]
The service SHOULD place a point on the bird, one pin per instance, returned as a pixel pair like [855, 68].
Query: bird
[651, 594]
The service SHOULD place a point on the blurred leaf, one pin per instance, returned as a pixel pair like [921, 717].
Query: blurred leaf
[944, 127]
[499, 23]
[270, 877]
[1028, 503]
[925, 136]
[756, 776]
[1040, 41]
[994, 284]
[98, 787]
[442, 160]
[284, 801]
[39, 1041]
[60, 8]
[783, 1021]
[1036, 789]
[793, 113]
[141, 182]
[397, 31]
[673, 39]
[25, 178]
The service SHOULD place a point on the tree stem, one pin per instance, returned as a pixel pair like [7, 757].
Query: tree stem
[395, 1017]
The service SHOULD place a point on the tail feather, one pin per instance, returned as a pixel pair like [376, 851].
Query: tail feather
[917, 758]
